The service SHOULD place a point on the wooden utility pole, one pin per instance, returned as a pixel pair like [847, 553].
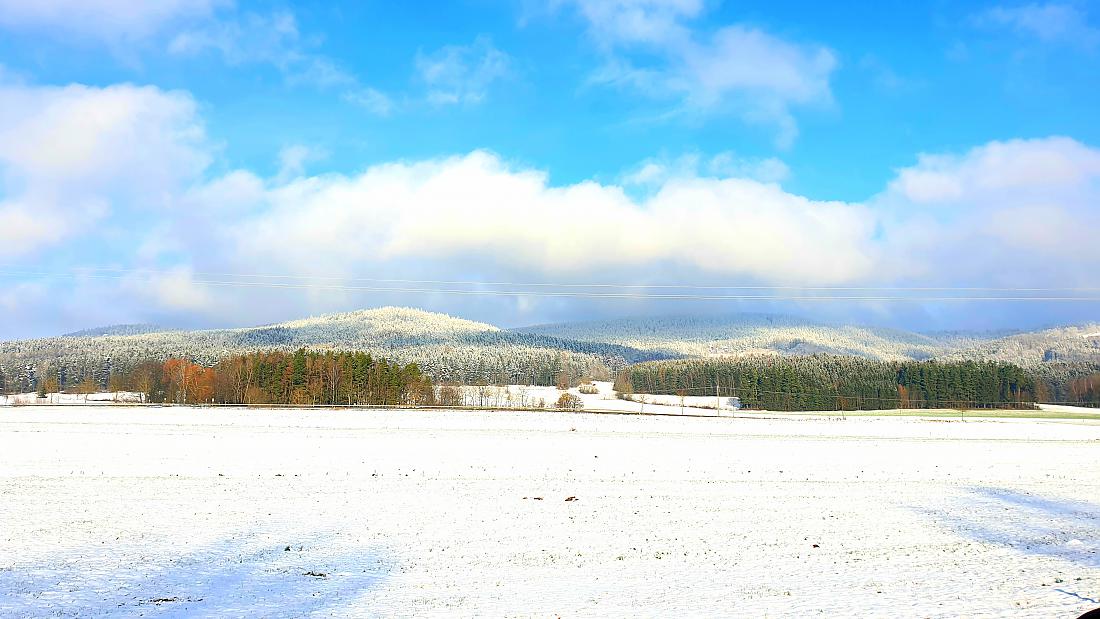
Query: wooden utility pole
[717, 397]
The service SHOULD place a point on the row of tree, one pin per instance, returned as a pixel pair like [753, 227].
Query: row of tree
[1085, 390]
[818, 382]
[827, 382]
[455, 365]
[449, 350]
[298, 378]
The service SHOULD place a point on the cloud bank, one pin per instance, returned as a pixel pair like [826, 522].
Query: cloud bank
[126, 172]
[71, 157]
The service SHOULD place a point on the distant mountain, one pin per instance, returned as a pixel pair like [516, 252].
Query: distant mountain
[463, 351]
[753, 334]
[1059, 345]
[445, 347]
[118, 330]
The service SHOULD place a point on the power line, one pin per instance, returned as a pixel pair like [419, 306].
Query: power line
[599, 295]
[150, 271]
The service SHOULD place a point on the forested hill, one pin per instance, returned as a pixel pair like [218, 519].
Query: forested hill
[118, 330]
[446, 348]
[449, 349]
[1078, 344]
[742, 335]
[753, 334]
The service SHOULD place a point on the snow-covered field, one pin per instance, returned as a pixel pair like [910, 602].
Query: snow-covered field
[604, 399]
[181, 512]
[506, 396]
[68, 399]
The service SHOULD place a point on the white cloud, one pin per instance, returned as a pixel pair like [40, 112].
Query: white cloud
[107, 20]
[293, 160]
[735, 69]
[71, 155]
[276, 40]
[767, 170]
[272, 39]
[126, 167]
[1012, 170]
[27, 228]
[462, 73]
[137, 139]
[232, 194]
[1005, 212]
[477, 209]
[636, 21]
[174, 288]
[192, 28]
[374, 101]
[1049, 23]
[655, 172]
[1015, 214]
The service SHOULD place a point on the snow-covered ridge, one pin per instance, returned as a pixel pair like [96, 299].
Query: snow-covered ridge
[397, 320]
[136, 329]
[447, 348]
[752, 334]
[460, 351]
[1060, 344]
[756, 334]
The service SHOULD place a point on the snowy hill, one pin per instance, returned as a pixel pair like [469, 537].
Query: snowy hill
[445, 347]
[118, 330]
[1062, 344]
[462, 351]
[751, 334]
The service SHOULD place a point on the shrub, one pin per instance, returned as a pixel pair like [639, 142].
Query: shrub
[569, 401]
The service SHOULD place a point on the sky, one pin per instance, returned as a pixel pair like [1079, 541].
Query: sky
[158, 157]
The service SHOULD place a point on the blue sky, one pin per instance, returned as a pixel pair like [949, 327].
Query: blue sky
[828, 144]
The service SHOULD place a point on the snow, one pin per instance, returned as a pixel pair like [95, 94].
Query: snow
[118, 511]
[1068, 408]
[120, 397]
[605, 399]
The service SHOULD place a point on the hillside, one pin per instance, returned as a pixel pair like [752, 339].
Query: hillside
[137, 329]
[451, 349]
[445, 347]
[754, 334]
[1075, 344]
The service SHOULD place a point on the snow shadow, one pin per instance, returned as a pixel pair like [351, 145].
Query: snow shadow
[1028, 523]
[237, 578]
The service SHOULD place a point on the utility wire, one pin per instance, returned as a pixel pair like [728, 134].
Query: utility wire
[149, 271]
[600, 295]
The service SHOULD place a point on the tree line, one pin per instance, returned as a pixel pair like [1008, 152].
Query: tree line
[1085, 390]
[299, 378]
[828, 382]
[817, 382]
[447, 349]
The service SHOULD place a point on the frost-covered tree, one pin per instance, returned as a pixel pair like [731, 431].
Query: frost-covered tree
[447, 349]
